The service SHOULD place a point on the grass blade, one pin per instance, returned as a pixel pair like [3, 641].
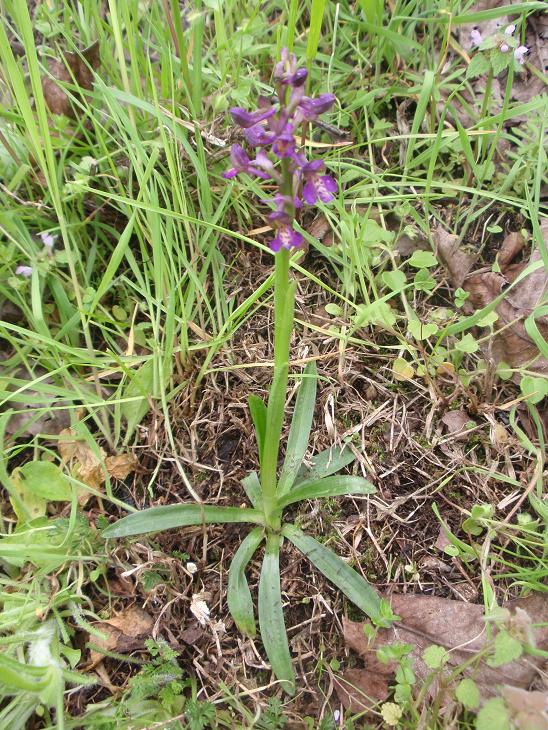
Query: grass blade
[356, 588]
[299, 432]
[240, 603]
[328, 487]
[168, 516]
[314, 32]
[271, 617]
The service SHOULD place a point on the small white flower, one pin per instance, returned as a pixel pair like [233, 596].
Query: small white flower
[199, 608]
[504, 48]
[336, 716]
[24, 271]
[48, 240]
[520, 52]
[509, 30]
[192, 568]
[476, 37]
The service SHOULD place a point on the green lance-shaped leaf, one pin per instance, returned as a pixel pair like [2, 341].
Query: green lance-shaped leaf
[138, 391]
[168, 516]
[327, 487]
[240, 603]
[252, 487]
[257, 409]
[271, 617]
[356, 588]
[299, 432]
[324, 464]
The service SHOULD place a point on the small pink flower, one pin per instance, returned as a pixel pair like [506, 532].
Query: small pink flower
[520, 53]
[48, 240]
[509, 30]
[504, 47]
[476, 37]
[25, 271]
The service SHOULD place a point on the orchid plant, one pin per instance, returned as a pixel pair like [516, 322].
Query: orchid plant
[271, 132]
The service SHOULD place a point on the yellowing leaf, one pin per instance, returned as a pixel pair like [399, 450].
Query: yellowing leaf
[402, 369]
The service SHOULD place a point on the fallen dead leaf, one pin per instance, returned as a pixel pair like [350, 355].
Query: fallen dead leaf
[124, 633]
[511, 343]
[457, 422]
[454, 625]
[119, 467]
[360, 689]
[449, 251]
[528, 710]
[73, 68]
[89, 467]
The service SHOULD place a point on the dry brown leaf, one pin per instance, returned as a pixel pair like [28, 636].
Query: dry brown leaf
[90, 468]
[360, 689]
[87, 466]
[511, 246]
[124, 633]
[120, 466]
[457, 422]
[448, 250]
[427, 620]
[73, 68]
[512, 344]
[528, 710]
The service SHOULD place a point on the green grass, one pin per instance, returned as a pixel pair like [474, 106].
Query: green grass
[144, 290]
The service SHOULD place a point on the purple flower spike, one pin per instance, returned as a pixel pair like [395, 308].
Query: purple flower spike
[249, 119]
[317, 186]
[287, 238]
[272, 130]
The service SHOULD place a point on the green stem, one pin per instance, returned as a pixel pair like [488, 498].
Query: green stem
[484, 111]
[284, 298]
[284, 315]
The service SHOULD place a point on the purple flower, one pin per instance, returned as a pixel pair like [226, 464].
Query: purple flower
[317, 186]
[285, 236]
[25, 271]
[286, 66]
[271, 130]
[298, 78]
[249, 119]
[257, 136]
[242, 163]
[285, 144]
[310, 109]
[509, 30]
[48, 240]
[520, 53]
[504, 47]
[476, 37]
